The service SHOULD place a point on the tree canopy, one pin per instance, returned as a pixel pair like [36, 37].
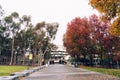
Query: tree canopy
[18, 34]
[109, 10]
[86, 37]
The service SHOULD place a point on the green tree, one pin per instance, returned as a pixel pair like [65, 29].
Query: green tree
[26, 22]
[1, 28]
[12, 23]
[45, 34]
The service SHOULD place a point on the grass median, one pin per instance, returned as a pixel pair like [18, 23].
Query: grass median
[114, 72]
[7, 70]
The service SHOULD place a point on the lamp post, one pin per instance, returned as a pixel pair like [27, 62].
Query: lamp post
[15, 57]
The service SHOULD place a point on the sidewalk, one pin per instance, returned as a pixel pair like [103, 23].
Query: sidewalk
[65, 72]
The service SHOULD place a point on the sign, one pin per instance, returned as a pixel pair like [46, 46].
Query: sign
[30, 56]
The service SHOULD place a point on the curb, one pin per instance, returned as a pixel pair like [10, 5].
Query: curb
[18, 75]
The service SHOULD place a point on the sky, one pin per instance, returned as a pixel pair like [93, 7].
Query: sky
[50, 11]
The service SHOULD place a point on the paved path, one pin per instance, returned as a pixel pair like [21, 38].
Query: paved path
[65, 72]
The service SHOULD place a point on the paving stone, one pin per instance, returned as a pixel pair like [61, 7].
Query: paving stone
[65, 72]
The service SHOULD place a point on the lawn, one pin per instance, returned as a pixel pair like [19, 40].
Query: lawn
[114, 72]
[7, 70]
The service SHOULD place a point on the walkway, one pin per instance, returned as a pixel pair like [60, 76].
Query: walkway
[65, 72]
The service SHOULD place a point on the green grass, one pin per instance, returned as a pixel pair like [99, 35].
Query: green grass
[7, 70]
[114, 72]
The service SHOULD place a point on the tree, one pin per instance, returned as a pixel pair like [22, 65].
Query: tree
[38, 39]
[109, 10]
[100, 35]
[1, 11]
[46, 33]
[12, 23]
[26, 22]
[76, 38]
[2, 30]
[1, 27]
[115, 27]
[87, 37]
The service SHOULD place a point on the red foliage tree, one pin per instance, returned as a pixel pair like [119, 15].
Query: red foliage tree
[85, 37]
[100, 34]
[77, 36]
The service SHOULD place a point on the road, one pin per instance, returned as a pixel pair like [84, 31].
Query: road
[65, 72]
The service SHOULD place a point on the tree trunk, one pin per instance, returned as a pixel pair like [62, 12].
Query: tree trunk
[85, 63]
[12, 52]
[40, 59]
[14, 59]
[23, 61]
[91, 60]
[24, 51]
[101, 59]
[34, 58]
